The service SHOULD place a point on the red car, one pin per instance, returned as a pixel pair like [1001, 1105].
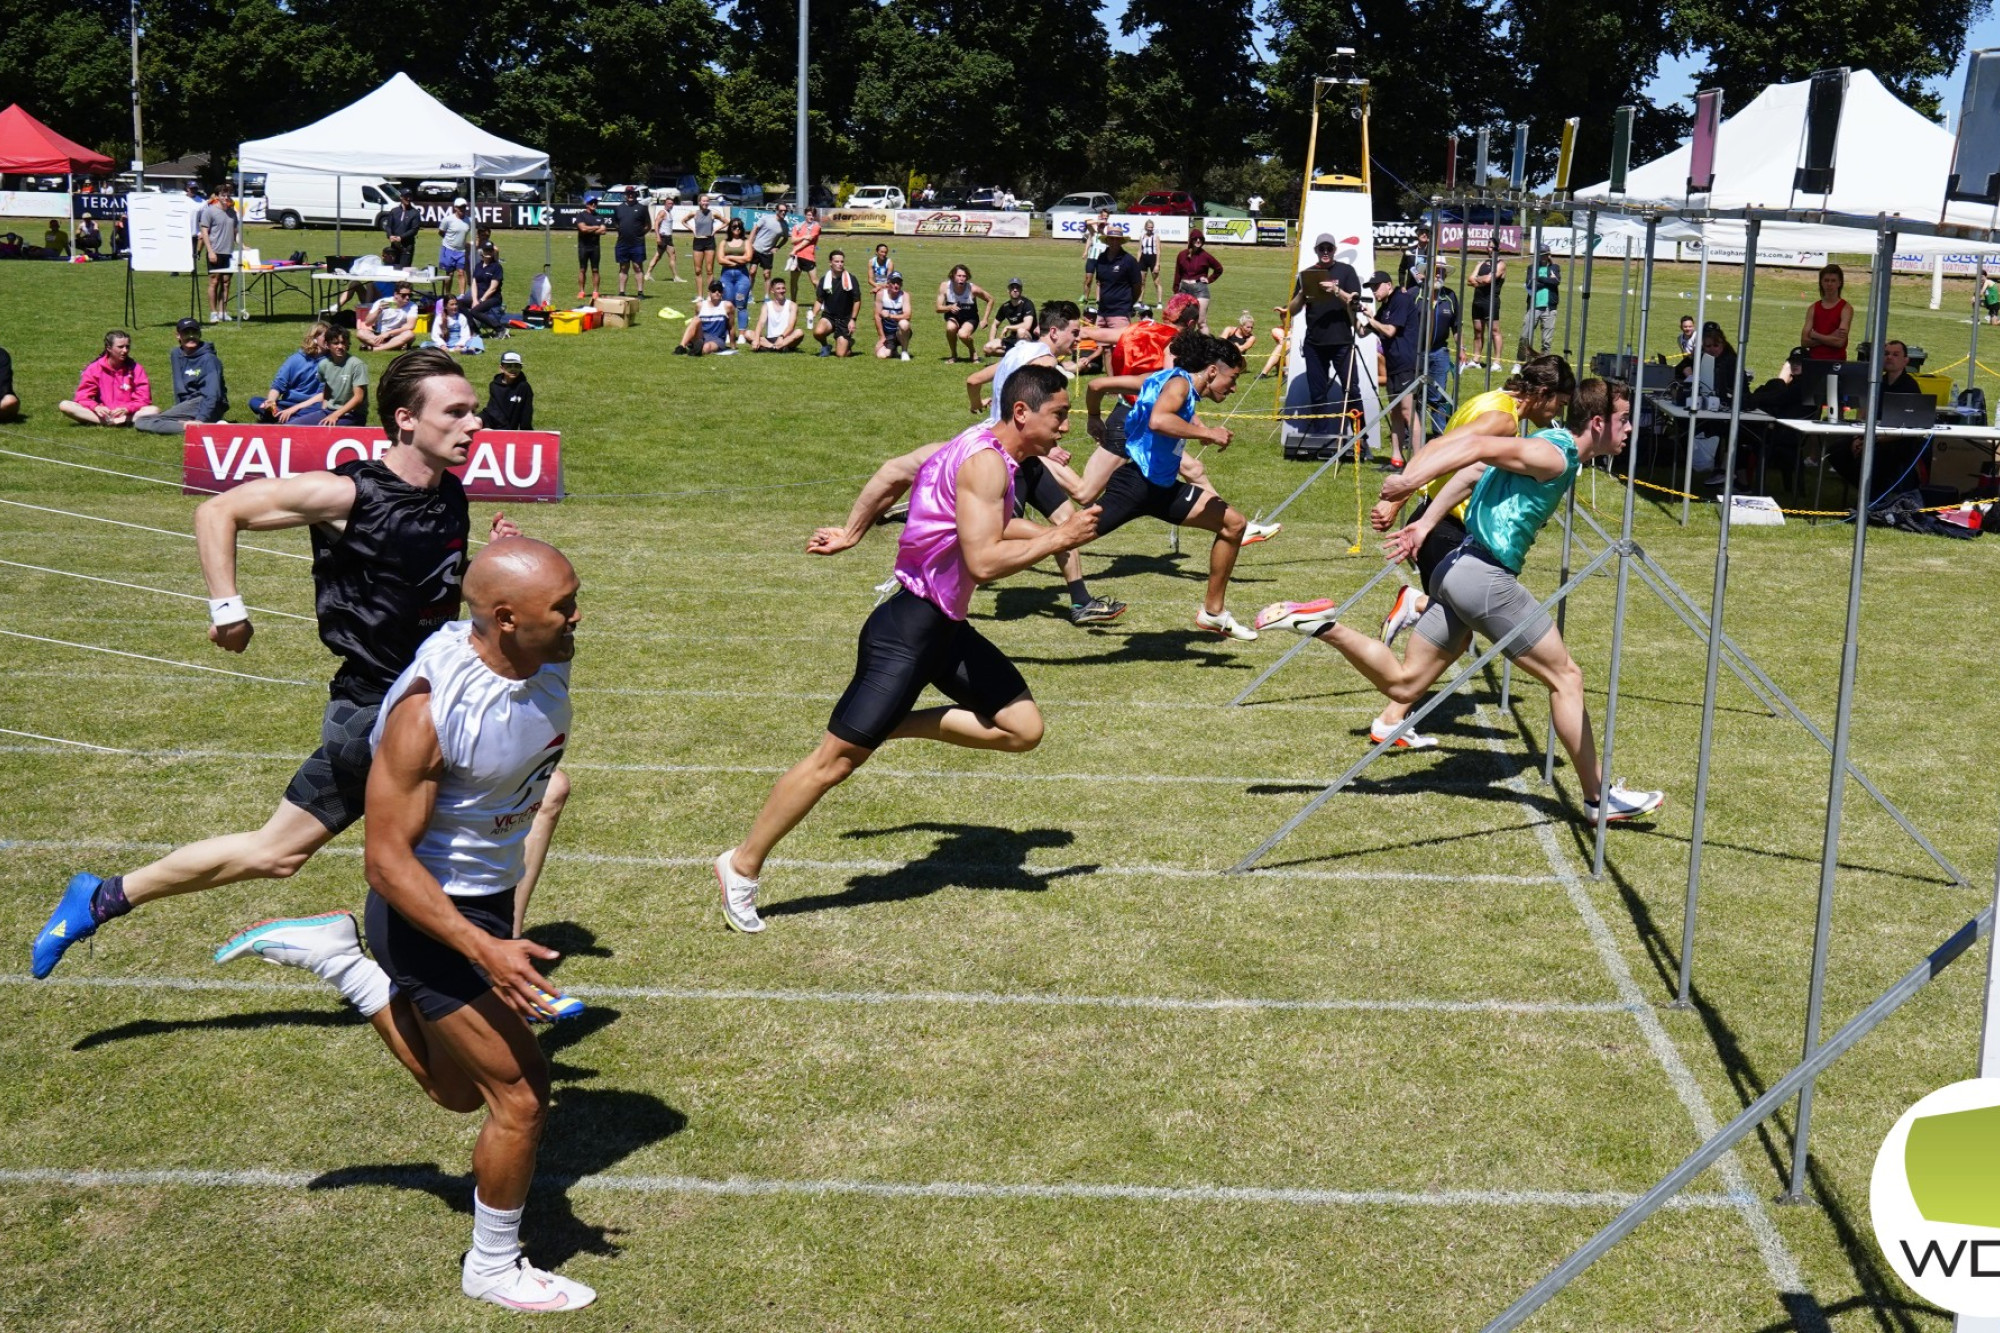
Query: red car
[1167, 203]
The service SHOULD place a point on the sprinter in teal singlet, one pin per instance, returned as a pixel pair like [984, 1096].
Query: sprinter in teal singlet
[1515, 484]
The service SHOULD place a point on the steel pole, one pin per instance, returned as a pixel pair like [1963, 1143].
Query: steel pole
[1625, 296]
[1715, 608]
[1604, 777]
[1829, 858]
[1562, 609]
[1582, 362]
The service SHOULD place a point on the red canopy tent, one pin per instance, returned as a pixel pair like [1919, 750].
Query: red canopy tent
[28, 147]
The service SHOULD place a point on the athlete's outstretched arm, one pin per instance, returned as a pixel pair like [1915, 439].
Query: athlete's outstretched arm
[1411, 537]
[1524, 454]
[402, 793]
[890, 483]
[260, 506]
[987, 538]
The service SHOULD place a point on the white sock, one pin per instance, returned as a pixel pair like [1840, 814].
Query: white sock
[496, 1238]
[359, 979]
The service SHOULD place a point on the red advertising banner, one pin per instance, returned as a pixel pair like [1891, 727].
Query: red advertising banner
[505, 464]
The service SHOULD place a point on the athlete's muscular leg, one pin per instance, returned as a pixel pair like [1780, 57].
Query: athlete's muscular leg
[794, 796]
[1097, 473]
[1403, 681]
[1017, 728]
[438, 1073]
[498, 1052]
[276, 851]
[1212, 514]
[536, 849]
[1550, 663]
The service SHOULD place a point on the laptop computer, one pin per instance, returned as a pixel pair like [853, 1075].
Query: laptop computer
[1911, 411]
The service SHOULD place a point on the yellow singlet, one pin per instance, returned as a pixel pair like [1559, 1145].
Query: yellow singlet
[1475, 407]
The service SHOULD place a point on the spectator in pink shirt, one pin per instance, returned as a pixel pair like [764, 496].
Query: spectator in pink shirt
[113, 390]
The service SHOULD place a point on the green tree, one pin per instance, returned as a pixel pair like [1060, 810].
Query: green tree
[1192, 85]
[66, 64]
[755, 104]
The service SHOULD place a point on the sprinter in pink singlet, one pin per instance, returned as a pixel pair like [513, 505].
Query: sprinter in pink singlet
[961, 533]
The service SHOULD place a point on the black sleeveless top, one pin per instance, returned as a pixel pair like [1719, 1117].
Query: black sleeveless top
[1485, 300]
[382, 586]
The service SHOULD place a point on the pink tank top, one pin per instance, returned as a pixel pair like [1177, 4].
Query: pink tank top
[927, 558]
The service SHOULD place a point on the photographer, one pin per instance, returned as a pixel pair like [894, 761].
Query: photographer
[1327, 294]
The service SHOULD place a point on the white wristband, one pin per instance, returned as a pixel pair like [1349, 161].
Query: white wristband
[227, 611]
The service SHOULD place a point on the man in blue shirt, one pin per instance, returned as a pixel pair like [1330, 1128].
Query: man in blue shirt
[1511, 485]
[1395, 321]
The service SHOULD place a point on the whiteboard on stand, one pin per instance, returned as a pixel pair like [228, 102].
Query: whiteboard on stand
[162, 232]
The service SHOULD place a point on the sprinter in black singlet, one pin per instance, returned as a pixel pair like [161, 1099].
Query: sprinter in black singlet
[389, 541]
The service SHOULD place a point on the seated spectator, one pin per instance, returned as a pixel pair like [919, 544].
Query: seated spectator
[1242, 335]
[199, 393]
[12, 246]
[1713, 374]
[121, 238]
[892, 319]
[297, 381]
[391, 322]
[55, 245]
[1901, 461]
[707, 334]
[778, 330]
[89, 240]
[1013, 320]
[487, 276]
[113, 390]
[453, 331]
[510, 399]
[10, 406]
[343, 394]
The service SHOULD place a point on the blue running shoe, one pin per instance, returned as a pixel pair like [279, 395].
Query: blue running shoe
[70, 922]
[560, 1006]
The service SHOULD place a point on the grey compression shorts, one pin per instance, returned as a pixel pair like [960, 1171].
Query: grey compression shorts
[1474, 592]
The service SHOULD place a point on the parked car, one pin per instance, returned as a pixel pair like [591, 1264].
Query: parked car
[991, 196]
[1084, 201]
[736, 190]
[820, 196]
[946, 198]
[440, 189]
[615, 194]
[877, 196]
[1166, 203]
[293, 199]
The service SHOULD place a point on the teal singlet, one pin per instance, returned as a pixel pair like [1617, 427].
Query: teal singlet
[1508, 509]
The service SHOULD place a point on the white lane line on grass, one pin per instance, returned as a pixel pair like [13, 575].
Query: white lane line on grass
[55, 740]
[164, 661]
[1085, 870]
[743, 1186]
[141, 587]
[1779, 1262]
[141, 527]
[970, 999]
[130, 476]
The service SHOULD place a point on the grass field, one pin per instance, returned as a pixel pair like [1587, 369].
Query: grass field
[1015, 1053]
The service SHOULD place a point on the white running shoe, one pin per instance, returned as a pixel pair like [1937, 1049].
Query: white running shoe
[902, 356]
[1298, 617]
[1260, 532]
[1402, 614]
[1378, 731]
[1626, 803]
[300, 941]
[1224, 624]
[739, 896]
[525, 1287]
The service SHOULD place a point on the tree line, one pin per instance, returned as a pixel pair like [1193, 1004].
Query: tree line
[1028, 94]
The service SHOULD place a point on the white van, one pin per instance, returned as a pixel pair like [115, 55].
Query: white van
[296, 199]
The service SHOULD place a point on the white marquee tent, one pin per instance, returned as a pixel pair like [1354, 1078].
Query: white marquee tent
[397, 130]
[1888, 158]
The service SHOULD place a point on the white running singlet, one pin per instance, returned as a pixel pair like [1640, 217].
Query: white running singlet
[1020, 354]
[501, 740]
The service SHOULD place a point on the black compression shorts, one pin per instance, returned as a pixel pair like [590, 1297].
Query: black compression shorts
[437, 978]
[1447, 537]
[906, 644]
[1035, 489]
[332, 784]
[1128, 495]
[1114, 429]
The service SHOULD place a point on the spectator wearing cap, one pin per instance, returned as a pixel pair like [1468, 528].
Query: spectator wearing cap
[401, 226]
[1194, 269]
[1013, 321]
[1327, 294]
[1118, 281]
[487, 279]
[199, 393]
[113, 390]
[1538, 325]
[892, 321]
[1395, 321]
[455, 239]
[632, 221]
[510, 399]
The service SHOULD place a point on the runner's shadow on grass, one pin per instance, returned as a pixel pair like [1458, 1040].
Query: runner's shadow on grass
[252, 1022]
[590, 1131]
[1150, 646]
[967, 856]
[568, 939]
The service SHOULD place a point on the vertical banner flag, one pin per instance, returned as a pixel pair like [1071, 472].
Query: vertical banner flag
[1621, 147]
[1823, 102]
[1517, 176]
[1480, 159]
[1566, 156]
[1451, 162]
[1975, 158]
[1707, 124]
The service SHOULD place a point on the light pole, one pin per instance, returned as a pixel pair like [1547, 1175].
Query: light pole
[801, 188]
[138, 138]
